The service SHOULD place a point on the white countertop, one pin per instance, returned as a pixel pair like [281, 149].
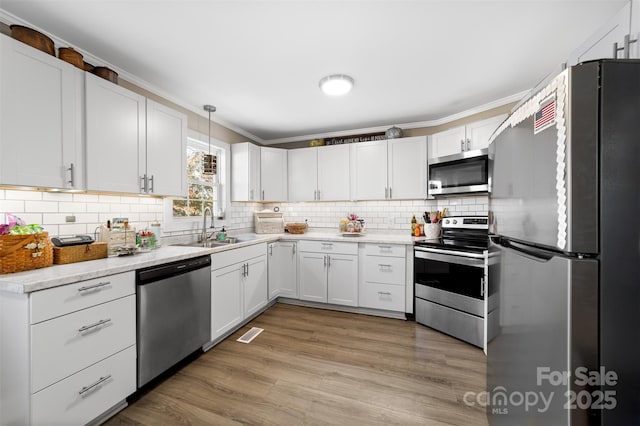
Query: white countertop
[57, 275]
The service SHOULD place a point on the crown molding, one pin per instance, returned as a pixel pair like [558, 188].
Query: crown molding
[411, 125]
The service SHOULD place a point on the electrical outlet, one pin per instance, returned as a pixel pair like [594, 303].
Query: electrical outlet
[69, 219]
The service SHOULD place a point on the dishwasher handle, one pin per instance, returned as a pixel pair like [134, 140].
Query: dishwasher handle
[167, 270]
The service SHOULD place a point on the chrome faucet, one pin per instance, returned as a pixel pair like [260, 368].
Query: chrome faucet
[204, 237]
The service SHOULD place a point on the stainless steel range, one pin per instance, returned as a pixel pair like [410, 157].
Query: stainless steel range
[450, 276]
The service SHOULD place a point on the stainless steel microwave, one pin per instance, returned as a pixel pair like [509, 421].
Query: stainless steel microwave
[464, 173]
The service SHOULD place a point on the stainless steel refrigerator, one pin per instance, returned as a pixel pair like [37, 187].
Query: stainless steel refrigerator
[564, 268]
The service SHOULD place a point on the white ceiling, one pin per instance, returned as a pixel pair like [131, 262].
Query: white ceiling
[260, 61]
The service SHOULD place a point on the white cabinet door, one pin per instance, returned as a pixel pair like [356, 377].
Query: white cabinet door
[273, 174]
[255, 286]
[166, 165]
[226, 299]
[303, 174]
[369, 168]
[342, 279]
[479, 132]
[334, 177]
[283, 270]
[313, 277]
[115, 136]
[40, 118]
[449, 142]
[407, 168]
[245, 172]
[600, 44]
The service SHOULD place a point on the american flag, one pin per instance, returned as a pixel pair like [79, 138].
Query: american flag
[545, 117]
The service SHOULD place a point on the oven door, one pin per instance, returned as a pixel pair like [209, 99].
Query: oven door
[450, 278]
[460, 173]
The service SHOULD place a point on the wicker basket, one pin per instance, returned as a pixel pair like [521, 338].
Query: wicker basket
[80, 253]
[25, 252]
[297, 228]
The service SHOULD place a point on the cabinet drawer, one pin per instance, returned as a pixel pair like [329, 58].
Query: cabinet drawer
[64, 345]
[62, 300]
[63, 403]
[328, 247]
[393, 250]
[384, 270]
[382, 296]
[237, 255]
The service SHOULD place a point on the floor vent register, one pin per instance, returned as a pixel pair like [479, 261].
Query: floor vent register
[250, 335]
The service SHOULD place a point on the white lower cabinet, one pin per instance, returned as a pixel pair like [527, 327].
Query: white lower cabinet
[226, 299]
[238, 287]
[255, 286]
[78, 399]
[70, 353]
[282, 270]
[328, 272]
[383, 277]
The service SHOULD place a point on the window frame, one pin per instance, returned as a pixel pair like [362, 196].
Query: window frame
[172, 223]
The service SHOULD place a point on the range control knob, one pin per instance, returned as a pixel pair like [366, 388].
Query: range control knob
[455, 221]
[446, 221]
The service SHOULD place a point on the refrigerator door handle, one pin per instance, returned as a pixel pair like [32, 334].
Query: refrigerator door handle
[527, 251]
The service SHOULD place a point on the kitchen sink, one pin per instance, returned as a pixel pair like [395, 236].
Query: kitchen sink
[216, 243]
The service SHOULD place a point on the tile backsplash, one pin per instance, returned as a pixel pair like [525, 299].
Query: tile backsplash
[90, 210]
[378, 215]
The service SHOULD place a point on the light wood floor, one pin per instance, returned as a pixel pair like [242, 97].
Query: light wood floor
[313, 366]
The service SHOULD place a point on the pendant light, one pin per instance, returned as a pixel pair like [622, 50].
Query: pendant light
[209, 163]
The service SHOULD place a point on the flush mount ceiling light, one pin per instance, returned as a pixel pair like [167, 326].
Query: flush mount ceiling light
[336, 84]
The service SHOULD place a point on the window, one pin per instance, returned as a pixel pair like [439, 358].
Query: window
[203, 190]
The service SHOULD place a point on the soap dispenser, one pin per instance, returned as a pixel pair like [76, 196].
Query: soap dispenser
[222, 235]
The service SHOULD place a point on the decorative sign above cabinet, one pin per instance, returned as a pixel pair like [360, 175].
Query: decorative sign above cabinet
[378, 136]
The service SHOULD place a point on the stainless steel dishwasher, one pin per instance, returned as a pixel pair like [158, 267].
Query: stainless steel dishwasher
[174, 313]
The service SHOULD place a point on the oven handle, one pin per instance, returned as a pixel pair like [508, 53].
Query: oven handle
[450, 256]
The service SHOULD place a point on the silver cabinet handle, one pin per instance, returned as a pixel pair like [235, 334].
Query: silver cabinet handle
[251, 194]
[244, 270]
[263, 195]
[100, 381]
[390, 193]
[143, 184]
[270, 249]
[293, 249]
[325, 261]
[384, 293]
[625, 47]
[327, 244]
[150, 187]
[386, 192]
[328, 261]
[71, 175]
[315, 195]
[385, 248]
[384, 266]
[94, 325]
[468, 144]
[94, 286]
[461, 144]
[247, 269]
[318, 195]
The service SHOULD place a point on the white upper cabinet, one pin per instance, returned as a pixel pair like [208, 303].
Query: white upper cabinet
[407, 168]
[115, 143]
[273, 174]
[303, 174]
[166, 165]
[369, 168]
[319, 173]
[601, 44]
[40, 119]
[459, 139]
[134, 145]
[245, 172]
[393, 169]
[334, 173]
